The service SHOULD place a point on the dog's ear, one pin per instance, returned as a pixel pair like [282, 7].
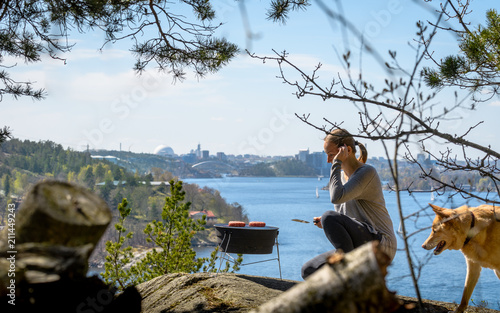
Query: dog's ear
[442, 212]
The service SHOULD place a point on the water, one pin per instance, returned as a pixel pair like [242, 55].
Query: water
[276, 201]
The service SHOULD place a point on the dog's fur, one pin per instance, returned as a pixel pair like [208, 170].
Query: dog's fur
[452, 228]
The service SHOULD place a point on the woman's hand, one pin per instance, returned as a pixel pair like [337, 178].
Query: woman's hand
[317, 221]
[342, 154]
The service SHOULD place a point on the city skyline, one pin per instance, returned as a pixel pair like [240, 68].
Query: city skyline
[203, 154]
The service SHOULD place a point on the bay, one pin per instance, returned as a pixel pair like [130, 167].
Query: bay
[276, 201]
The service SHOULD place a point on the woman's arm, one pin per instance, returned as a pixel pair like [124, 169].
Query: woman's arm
[353, 188]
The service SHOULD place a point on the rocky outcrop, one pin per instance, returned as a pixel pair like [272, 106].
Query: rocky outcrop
[208, 292]
[225, 292]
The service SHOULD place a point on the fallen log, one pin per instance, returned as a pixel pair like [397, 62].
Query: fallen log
[352, 282]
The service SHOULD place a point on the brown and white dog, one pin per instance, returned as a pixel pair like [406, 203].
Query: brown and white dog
[473, 230]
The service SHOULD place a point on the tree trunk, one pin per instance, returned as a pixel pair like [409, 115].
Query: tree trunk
[60, 213]
[352, 282]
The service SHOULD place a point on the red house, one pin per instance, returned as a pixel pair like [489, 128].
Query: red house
[211, 218]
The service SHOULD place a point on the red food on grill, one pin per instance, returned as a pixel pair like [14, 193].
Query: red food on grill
[236, 224]
[257, 224]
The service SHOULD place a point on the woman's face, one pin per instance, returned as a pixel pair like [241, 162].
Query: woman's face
[331, 150]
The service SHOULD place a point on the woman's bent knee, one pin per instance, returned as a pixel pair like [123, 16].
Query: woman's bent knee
[330, 217]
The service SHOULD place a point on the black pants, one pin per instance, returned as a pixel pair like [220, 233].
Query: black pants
[344, 233]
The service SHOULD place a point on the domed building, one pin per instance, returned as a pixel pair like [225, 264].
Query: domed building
[164, 151]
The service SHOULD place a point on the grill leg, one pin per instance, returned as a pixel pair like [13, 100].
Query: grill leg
[225, 249]
[278, 251]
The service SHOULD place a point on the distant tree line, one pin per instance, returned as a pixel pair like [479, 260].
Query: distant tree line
[288, 167]
[410, 177]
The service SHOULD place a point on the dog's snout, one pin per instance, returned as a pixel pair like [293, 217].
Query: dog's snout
[427, 245]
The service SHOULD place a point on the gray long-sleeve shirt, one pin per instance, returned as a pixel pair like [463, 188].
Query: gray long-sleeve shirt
[361, 198]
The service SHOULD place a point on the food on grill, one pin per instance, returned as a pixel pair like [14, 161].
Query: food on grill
[257, 224]
[236, 224]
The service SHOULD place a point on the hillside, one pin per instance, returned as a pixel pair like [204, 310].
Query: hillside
[23, 163]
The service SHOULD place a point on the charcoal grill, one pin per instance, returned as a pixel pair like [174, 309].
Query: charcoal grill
[247, 240]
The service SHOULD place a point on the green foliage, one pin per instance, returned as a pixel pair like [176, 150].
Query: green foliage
[478, 65]
[6, 184]
[181, 42]
[4, 134]
[481, 304]
[292, 167]
[289, 167]
[43, 157]
[119, 255]
[172, 241]
[482, 46]
[211, 265]
[260, 169]
[27, 34]
[211, 199]
[280, 9]
[173, 236]
[48, 159]
[160, 31]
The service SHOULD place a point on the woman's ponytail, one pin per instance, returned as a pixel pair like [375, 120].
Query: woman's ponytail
[363, 153]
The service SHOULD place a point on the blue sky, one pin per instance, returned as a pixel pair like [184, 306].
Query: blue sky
[96, 99]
